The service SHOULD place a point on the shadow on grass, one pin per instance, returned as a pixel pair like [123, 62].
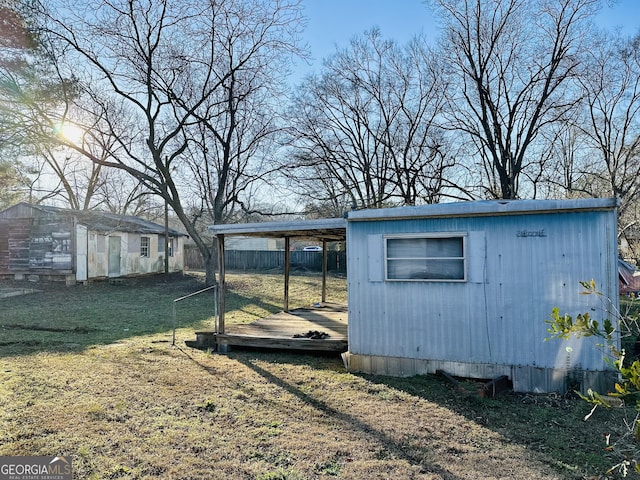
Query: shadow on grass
[241, 304]
[66, 319]
[348, 421]
[550, 426]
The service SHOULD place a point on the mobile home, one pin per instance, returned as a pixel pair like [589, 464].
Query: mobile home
[467, 287]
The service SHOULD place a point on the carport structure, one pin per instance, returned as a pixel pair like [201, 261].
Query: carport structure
[263, 333]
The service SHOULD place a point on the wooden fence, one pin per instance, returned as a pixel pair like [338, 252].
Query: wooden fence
[270, 260]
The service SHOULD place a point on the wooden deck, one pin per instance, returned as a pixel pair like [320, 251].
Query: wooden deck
[279, 331]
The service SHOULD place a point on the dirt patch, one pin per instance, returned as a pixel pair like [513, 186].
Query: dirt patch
[42, 328]
[16, 291]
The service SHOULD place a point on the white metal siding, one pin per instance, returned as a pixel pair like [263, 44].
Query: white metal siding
[375, 258]
[519, 268]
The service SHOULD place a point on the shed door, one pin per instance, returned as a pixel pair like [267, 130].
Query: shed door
[81, 253]
[114, 256]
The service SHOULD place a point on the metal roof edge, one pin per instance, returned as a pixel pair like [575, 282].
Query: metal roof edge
[95, 220]
[274, 227]
[484, 208]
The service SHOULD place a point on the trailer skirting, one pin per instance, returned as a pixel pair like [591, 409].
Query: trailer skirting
[524, 378]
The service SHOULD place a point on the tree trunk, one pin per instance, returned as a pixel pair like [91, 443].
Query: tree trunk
[210, 267]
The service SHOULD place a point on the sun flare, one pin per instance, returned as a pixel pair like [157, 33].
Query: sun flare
[71, 133]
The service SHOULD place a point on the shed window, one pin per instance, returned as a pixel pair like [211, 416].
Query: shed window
[161, 245]
[144, 246]
[425, 258]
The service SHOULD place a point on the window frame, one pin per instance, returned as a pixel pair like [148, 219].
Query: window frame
[170, 244]
[427, 236]
[145, 250]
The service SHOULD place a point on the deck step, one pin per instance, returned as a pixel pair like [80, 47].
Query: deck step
[282, 343]
[285, 331]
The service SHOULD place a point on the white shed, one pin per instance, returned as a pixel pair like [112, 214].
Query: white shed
[78, 245]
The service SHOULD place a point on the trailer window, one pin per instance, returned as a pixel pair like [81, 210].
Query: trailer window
[425, 258]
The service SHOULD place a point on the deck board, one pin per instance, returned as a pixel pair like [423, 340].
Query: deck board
[278, 330]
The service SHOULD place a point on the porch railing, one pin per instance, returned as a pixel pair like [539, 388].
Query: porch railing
[185, 297]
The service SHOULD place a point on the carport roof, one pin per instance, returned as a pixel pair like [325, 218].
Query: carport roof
[331, 229]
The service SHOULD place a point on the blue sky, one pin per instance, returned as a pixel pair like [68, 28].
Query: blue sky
[333, 23]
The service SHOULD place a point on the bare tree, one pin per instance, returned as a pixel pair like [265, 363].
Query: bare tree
[511, 63]
[46, 142]
[122, 194]
[324, 197]
[36, 99]
[166, 63]
[232, 139]
[10, 183]
[369, 124]
[611, 126]
[611, 86]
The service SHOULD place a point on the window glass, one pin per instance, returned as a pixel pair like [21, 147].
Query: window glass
[425, 258]
[144, 246]
[444, 247]
[406, 247]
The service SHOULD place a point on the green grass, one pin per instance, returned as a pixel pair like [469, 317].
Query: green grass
[63, 318]
[114, 394]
